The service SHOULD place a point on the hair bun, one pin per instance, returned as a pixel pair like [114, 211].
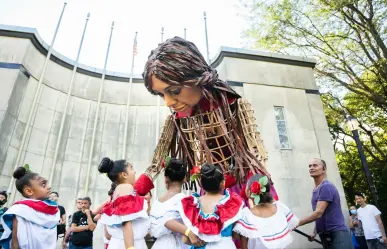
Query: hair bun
[19, 173]
[176, 165]
[106, 165]
[208, 170]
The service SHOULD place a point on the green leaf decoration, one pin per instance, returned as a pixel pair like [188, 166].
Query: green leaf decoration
[257, 199]
[27, 167]
[263, 189]
[263, 181]
[194, 177]
[167, 161]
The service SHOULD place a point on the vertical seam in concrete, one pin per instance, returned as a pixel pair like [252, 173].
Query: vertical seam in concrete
[314, 127]
[77, 190]
[65, 141]
[16, 120]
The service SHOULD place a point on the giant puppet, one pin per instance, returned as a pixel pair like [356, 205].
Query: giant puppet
[210, 122]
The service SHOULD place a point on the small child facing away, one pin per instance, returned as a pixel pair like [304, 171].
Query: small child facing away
[267, 225]
[31, 222]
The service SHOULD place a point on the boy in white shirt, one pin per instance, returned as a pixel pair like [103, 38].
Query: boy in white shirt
[372, 224]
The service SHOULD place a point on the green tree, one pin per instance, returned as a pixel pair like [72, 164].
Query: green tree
[348, 39]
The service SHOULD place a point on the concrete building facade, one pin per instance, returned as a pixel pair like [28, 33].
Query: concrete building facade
[281, 89]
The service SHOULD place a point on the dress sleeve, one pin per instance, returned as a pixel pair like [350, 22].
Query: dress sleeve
[291, 218]
[158, 228]
[124, 208]
[244, 225]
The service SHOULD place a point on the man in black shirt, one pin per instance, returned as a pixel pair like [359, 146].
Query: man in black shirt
[82, 226]
[61, 228]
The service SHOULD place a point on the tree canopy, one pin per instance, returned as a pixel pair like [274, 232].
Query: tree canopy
[348, 40]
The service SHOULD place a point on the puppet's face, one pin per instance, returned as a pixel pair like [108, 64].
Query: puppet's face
[178, 98]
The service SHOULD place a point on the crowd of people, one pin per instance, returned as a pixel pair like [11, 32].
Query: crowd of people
[236, 205]
[218, 218]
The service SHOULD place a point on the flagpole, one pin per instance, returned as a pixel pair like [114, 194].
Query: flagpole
[69, 90]
[205, 27]
[185, 34]
[97, 113]
[128, 99]
[158, 117]
[35, 100]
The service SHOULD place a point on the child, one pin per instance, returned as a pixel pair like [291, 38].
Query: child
[125, 214]
[267, 224]
[212, 216]
[166, 224]
[31, 222]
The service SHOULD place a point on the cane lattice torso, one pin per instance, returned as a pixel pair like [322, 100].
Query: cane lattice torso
[207, 138]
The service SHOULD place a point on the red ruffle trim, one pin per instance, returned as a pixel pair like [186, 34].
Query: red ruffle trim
[124, 205]
[39, 206]
[212, 225]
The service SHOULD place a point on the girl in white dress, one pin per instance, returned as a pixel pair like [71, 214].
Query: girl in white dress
[166, 224]
[212, 216]
[30, 223]
[125, 214]
[267, 225]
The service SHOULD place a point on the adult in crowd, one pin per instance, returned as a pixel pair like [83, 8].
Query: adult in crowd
[82, 227]
[374, 231]
[3, 209]
[66, 239]
[61, 228]
[357, 228]
[330, 223]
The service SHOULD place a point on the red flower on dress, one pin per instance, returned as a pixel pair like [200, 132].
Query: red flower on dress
[195, 170]
[255, 188]
[163, 164]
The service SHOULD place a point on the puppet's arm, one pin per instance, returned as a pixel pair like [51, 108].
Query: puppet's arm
[162, 150]
[250, 130]
[144, 183]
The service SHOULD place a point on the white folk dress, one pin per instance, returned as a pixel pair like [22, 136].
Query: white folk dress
[36, 224]
[126, 208]
[160, 213]
[213, 228]
[268, 233]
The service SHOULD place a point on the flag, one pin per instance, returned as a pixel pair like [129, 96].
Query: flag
[135, 52]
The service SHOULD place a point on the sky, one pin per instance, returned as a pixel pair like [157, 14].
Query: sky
[147, 17]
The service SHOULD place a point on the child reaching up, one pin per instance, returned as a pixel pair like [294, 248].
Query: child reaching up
[31, 222]
[125, 215]
[268, 223]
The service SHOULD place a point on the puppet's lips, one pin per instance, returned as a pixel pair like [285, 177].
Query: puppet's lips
[180, 109]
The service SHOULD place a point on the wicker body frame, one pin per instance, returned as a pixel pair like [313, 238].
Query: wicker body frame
[183, 138]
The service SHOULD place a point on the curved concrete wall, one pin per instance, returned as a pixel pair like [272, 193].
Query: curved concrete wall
[266, 80]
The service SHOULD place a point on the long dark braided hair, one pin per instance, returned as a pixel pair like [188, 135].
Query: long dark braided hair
[179, 62]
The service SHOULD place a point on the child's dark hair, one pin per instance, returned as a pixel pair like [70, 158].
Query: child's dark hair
[112, 188]
[211, 177]
[265, 197]
[23, 178]
[112, 169]
[176, 170]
